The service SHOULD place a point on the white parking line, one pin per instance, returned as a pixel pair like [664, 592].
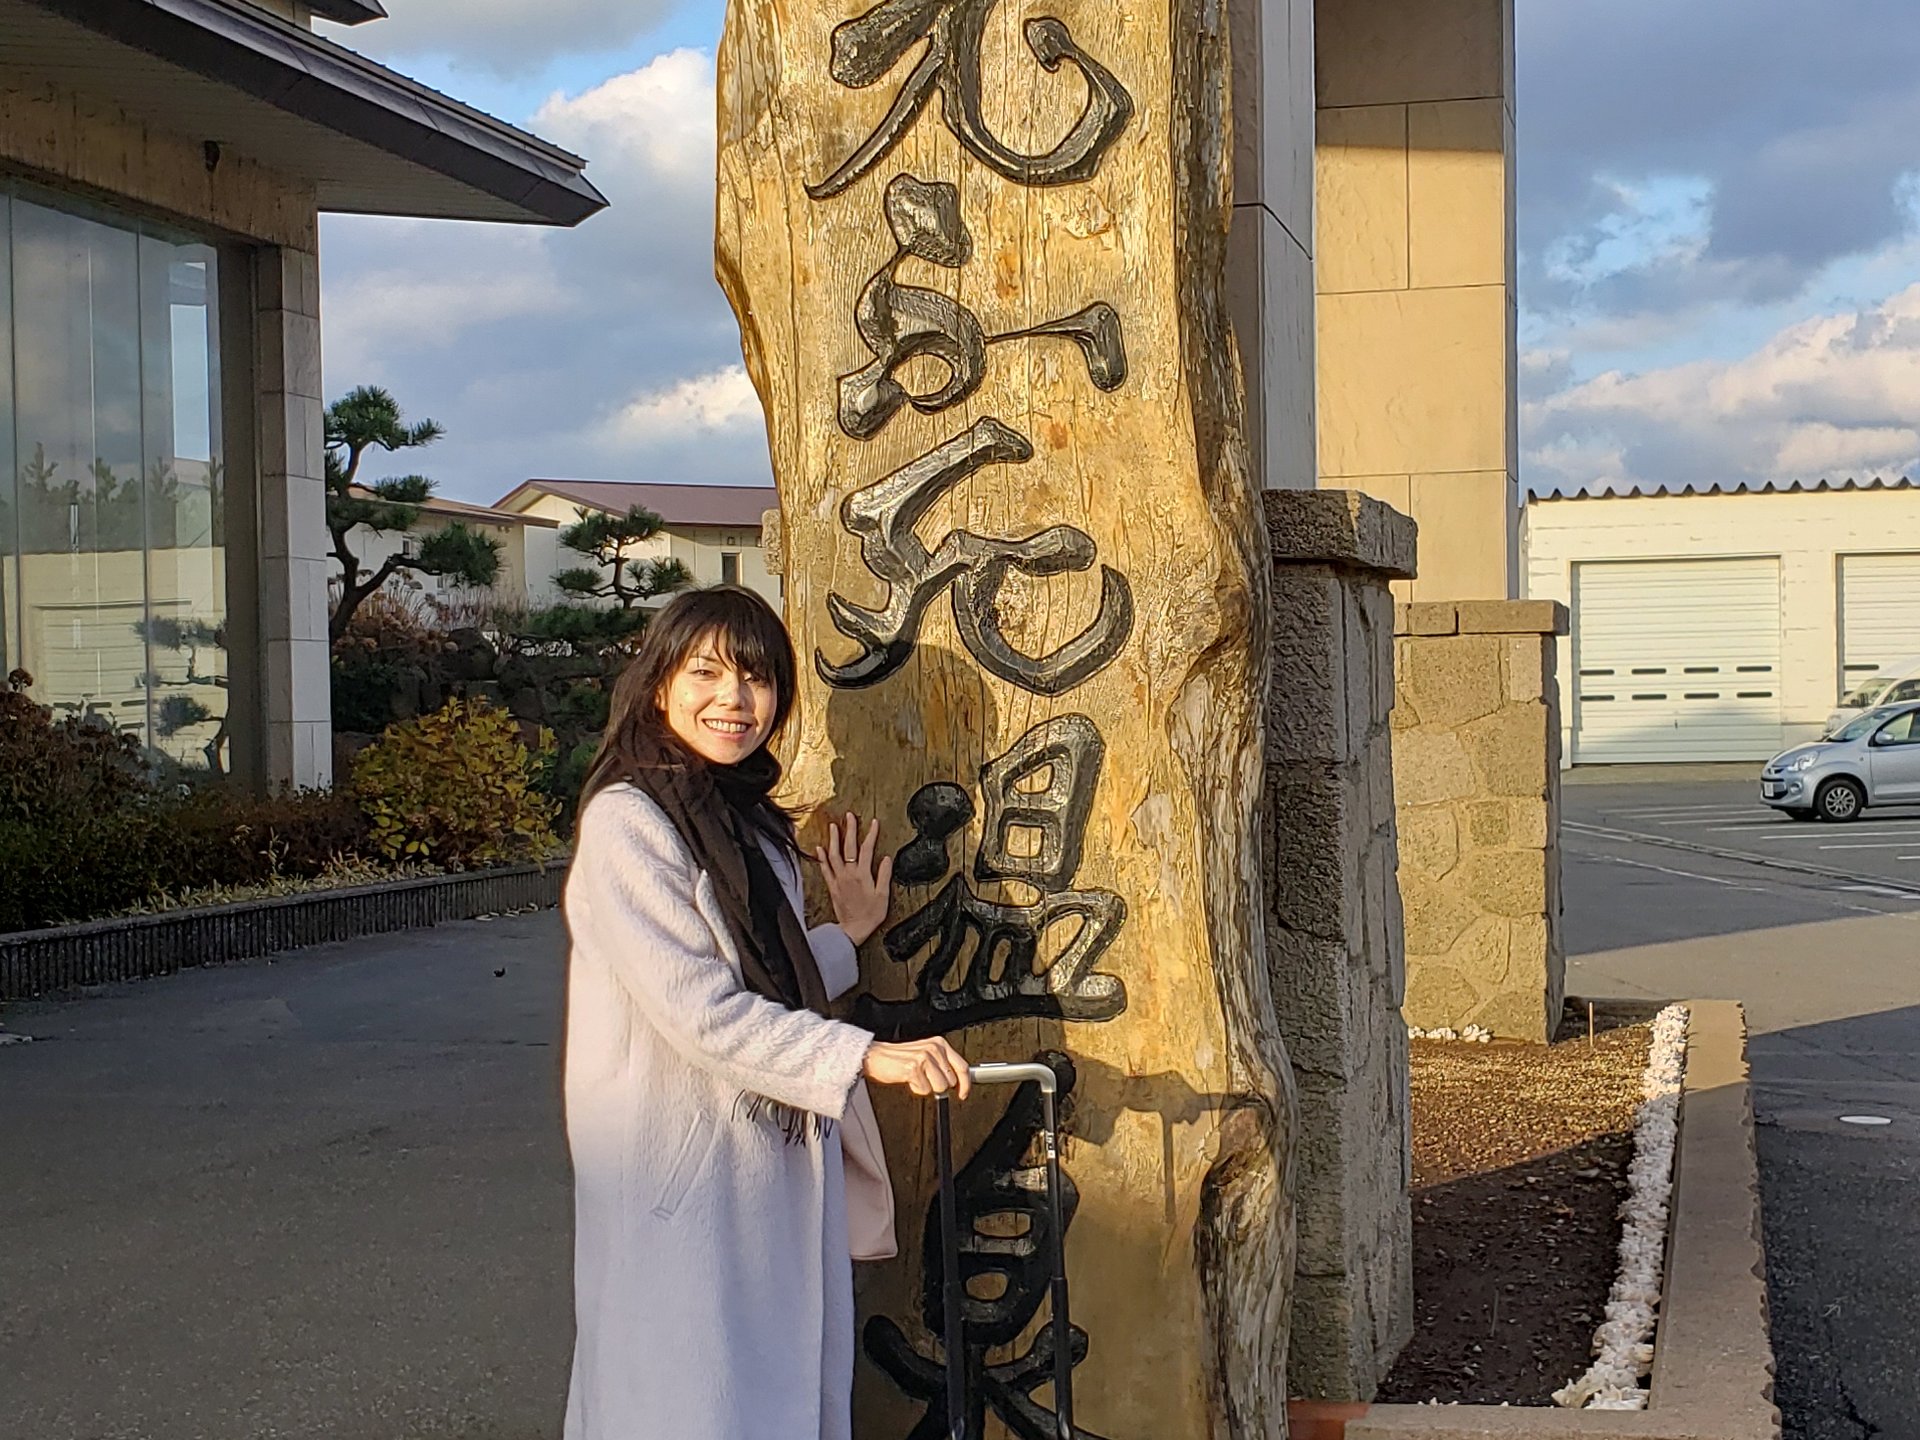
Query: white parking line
[1681, 810]
[1682, 874]
[1872, 845]
[1790, 831]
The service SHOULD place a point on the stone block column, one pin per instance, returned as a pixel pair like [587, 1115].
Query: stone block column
[291, 518]
[1334, 935]
[1476, 749]
[1414, 269]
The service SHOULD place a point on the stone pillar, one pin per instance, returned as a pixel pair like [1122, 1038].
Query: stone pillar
[978, 260]
[1414, 266]
[1476, 748]
[1334, 938]
[291, 519]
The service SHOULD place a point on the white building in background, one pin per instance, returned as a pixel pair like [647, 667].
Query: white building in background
[714, 530]
[529, 554]
[1722, 624]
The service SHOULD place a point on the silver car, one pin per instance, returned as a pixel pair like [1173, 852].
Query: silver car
[1873, 759]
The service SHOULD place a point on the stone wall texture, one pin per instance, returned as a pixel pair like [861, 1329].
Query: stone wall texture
[1334, 930]
[1476, 753]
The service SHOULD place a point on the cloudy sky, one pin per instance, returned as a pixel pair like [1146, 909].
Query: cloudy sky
[1719, 211]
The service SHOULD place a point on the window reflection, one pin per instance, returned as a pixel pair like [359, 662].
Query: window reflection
[110, 417]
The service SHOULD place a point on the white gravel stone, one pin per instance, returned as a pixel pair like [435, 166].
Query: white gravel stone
[1623, 1344]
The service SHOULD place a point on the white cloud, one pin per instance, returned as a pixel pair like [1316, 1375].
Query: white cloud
[607, 351]
[1833, 396]
[497, 274]
[650, 125]
[507, 36]
[722, 400]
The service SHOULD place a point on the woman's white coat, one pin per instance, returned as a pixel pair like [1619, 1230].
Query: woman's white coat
[713, 1286]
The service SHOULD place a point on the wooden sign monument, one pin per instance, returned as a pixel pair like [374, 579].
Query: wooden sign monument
[976, 250]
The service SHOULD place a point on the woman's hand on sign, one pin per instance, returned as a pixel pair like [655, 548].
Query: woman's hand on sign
[861, 888]
[926, 1067]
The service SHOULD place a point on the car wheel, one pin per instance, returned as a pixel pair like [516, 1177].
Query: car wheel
[1839, 800]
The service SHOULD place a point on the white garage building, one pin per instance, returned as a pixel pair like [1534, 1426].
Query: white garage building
[1722, 624]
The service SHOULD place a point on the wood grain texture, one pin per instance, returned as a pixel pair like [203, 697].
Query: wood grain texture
[1100, 557]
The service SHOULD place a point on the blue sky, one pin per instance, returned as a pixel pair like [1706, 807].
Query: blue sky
[1719, 225]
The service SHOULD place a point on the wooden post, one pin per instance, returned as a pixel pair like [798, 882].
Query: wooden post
[976, 252]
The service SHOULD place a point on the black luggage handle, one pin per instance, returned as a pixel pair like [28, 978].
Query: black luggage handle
[954, 1287]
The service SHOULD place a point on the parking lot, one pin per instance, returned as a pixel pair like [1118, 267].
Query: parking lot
[1716, 811]
[1678, 881]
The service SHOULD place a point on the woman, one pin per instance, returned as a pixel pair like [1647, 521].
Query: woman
[705, 1083]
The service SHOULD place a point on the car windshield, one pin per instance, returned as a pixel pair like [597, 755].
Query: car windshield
[1857, 727]
[1867, 692]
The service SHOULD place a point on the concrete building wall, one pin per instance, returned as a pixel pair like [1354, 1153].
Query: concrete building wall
[528, 558]
[698, 547]
[1270, 251]
[277, 594]
[1414, 272]
[1810, 532]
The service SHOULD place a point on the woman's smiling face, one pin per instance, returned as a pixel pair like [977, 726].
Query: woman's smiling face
[719, 712]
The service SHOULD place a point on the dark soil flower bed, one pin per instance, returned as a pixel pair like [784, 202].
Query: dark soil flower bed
[1520, 1156]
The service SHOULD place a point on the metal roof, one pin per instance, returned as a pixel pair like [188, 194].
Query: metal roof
[1611, 489]
[723, 505]
[367, 138]
[466, 510]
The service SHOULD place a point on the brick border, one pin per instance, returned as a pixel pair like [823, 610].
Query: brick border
[105, 952]
[1713, 1361]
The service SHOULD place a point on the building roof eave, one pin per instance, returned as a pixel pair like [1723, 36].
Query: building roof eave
[348, 12]
[371, 140]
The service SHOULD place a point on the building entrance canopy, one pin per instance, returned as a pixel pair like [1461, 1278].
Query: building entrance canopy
[369, 140]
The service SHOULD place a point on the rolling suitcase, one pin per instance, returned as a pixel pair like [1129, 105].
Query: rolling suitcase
[953, 1289]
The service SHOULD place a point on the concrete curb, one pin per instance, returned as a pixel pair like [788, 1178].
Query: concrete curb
[139, 947]
[1713, 1362]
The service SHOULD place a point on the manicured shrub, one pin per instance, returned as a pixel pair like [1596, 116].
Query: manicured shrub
[232, 837]
[48, 765]
[86, 831]
[455, 787]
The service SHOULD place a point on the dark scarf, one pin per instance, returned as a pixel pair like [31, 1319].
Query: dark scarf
[721, 812]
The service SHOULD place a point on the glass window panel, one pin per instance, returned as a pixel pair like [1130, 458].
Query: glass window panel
[185, 558]
[9, 501]
[115, 481]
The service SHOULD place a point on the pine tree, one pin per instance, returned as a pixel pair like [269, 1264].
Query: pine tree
[369, 417]
[606, 540]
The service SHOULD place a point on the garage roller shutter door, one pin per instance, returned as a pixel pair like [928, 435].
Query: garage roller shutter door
[1676, 660]
[1879, 612]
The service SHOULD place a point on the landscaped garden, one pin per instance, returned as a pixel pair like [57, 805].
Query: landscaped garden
[90, 826]
[462, 727]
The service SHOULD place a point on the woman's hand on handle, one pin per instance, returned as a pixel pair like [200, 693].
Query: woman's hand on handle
[926, 1067]
[861, 888]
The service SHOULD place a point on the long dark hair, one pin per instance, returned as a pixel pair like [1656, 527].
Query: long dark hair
[745, 633]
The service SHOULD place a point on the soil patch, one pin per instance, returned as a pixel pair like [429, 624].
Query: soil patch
[1520, 1156]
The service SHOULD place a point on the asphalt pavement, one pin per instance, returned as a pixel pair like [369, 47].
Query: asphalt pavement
[1688, 887]
[324, 1198]
[1717, 810]
[327, 1197]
